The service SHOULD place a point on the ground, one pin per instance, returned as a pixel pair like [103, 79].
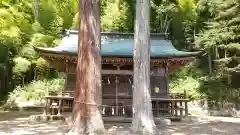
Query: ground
[16, 123]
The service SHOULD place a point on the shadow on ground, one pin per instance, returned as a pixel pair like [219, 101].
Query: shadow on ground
[16, 123]
[11, 115]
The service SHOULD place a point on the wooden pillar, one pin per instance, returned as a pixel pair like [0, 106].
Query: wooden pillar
[181, 109]
[116, 94]
[46, 107]
[167, 80]
[186, 104]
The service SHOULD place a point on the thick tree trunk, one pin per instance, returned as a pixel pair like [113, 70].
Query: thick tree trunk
[143, 122]
[87, 118]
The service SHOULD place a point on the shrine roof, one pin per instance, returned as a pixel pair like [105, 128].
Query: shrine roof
[118, 45]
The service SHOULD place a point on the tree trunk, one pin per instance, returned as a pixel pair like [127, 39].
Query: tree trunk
[143, 122]
[225, 53]
[37, 4]
[87, 118]
[210, 63]
[216, 53]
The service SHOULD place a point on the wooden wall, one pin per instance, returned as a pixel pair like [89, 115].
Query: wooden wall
[70, 84]
[158, 79]
[122, 85]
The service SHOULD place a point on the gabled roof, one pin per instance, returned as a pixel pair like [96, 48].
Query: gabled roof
[119, 45]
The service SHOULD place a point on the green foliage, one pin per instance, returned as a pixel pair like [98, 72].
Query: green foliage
[175, 17]
[217, 88]
[19, 32]
[75, 23]
[188, 79]
[188, 84]
[28, 52]
[114, 16]
[47, 14]
[9, 32]
[43, 69]
[188, 9]
[212, 26]
[37, 28]
[41, 63]
[56, 15]
[67, 10]
[42, 40]
[21, 65]
[35, 91]
[163, 15]
[219, 37]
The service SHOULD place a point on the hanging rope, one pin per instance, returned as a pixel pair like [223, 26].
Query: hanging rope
[101, 105]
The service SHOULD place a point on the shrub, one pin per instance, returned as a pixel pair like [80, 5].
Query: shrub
[22, 65]
[35, 91]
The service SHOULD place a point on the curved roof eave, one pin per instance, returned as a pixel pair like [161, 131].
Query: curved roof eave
[50, 51]
[53, 51]
[118, 45]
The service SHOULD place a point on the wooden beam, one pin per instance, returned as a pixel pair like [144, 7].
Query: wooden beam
[113, 72]
[152, 73]
[117, 72]
[158, 72]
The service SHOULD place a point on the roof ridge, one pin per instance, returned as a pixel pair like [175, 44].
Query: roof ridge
[117, 33]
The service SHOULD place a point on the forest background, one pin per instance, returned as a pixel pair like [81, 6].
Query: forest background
[210, 26]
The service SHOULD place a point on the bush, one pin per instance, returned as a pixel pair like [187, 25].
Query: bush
[188, 84]
[35, 91]
[187, 79]
[42, 40]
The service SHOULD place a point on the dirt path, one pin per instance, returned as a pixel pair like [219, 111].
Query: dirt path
[15, 123]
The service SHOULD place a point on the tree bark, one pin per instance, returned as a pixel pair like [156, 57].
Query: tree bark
[87, 118]
[143, 122]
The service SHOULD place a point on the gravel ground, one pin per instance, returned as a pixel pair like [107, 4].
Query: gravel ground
[15, 123]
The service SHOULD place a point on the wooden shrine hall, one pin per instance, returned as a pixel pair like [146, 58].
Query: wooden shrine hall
[117, 74]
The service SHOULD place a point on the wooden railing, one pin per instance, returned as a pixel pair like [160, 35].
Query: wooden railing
[165, 107]
[176, 106]
[170, 107]
[178, 95]
[57, 104]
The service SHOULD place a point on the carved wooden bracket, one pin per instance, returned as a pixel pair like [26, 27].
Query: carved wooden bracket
[69, 61]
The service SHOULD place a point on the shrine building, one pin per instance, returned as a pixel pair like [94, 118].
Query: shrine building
[117, 74]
